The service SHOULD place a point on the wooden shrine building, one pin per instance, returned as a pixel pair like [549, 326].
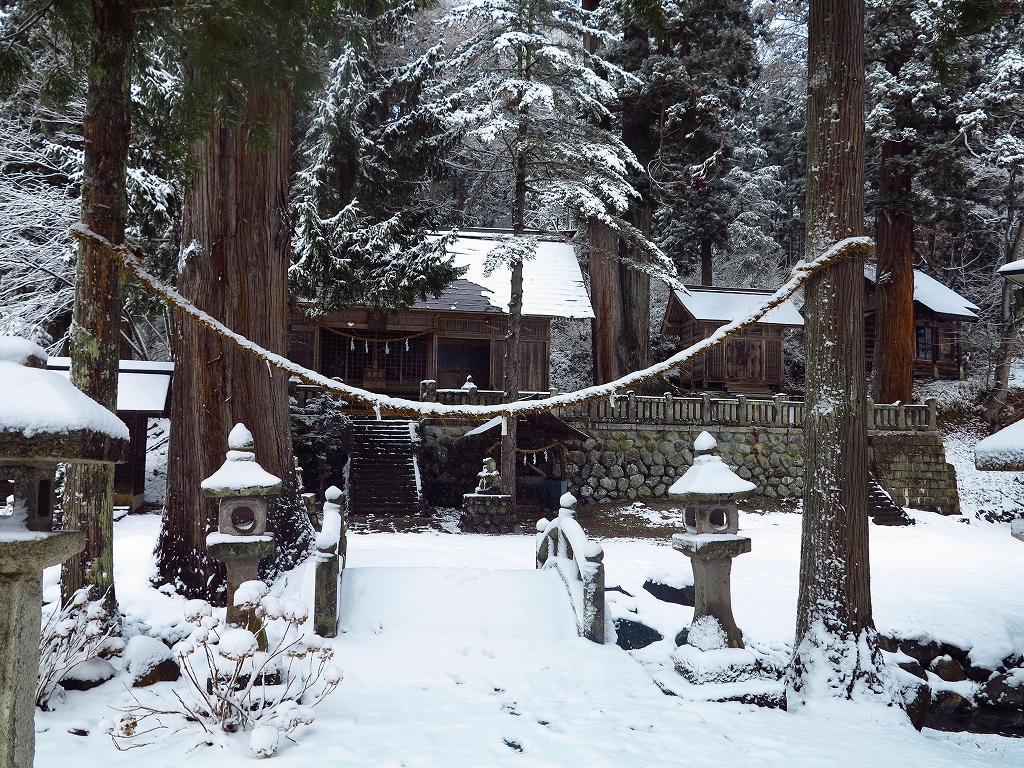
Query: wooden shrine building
[939, 313]
[458, 334]
[143, 393]
[751, 361]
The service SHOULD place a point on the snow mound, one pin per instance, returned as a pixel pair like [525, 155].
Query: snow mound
[240, 438]
[236, 644]
[706, 634]
[721, 665]
[14, 349]
[264, 740]
[1002, 451]
[709, 476]
[677, 575]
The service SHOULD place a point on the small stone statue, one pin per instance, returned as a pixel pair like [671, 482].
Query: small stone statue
[490, 478]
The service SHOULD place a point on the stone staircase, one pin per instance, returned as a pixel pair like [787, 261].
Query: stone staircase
[383, 476]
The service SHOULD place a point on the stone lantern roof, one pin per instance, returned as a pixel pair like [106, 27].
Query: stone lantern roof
[44, 418]
[709, 479]
[241, 474]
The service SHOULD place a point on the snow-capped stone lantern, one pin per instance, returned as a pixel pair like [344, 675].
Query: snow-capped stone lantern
[709, 490]
[242, 488]
[44, 421]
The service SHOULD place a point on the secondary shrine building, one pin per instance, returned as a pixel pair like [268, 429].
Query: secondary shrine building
[459, 334]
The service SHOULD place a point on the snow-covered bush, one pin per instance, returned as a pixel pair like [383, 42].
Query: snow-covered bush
[71, 634]
[233, 686]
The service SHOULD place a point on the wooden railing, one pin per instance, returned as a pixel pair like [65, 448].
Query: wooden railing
[704, 409]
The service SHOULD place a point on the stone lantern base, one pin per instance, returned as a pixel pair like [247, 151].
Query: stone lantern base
[23, 556]
[487, 513]
[711, 556]
[241, 555]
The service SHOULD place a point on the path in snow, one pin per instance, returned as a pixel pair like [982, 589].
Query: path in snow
[442, 669]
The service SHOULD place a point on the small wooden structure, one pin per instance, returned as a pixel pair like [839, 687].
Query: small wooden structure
[751, 361]
[938, 314]
[143, 393]
[540, 469]
[458, 334]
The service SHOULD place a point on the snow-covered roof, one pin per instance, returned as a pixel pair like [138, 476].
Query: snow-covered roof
[142, 385]
[552, 281]
[1013, 271]
[709, 477]
[1002, 451]
[939, 298]
[728, 304]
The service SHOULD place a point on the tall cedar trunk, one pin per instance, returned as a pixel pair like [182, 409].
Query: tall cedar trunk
[834, 604]
[706, 272]
[606, 299]
[893, 364]
[620, 295]
[95, 337]
[237, 272]
[512, 340]
[634, 346]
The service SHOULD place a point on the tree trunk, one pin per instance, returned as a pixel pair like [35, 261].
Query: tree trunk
[706, 272]
[236, 242]
[96, 332]
[834, 605]
[513, 336]
[893, 365]
[606, 299]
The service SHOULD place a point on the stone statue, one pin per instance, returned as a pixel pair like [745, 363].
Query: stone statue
[490, 478]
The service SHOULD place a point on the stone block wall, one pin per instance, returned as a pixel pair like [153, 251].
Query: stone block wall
[448, 466]
[623, 463]
[912, 467]
[620, 462]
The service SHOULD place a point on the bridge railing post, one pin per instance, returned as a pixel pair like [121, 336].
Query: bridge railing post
[593, 593]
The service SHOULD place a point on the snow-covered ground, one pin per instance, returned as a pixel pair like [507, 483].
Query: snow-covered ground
[442, 671]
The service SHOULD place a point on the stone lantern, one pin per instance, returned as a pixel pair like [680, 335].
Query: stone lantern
[709, 491]
[44, 421]
[242, 488]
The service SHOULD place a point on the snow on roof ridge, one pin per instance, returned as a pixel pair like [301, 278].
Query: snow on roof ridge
[553, 280]
[720, 304]
[934, 294]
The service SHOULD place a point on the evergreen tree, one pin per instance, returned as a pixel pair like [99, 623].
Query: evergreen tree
[362, 200]
[523, 93]
[694, 61]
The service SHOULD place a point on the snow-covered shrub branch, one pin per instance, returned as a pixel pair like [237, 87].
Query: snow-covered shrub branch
[71, 634]
[862, 247]
[232, 685]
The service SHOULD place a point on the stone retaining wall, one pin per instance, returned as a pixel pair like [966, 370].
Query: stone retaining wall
[912, 467]
[624, 462]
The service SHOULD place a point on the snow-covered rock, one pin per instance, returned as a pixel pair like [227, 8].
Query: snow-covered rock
[149, 661]
[720, 665]
[88, 674]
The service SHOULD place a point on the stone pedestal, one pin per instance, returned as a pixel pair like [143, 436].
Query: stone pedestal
[23, 556]
[711, 556]
[487, 513]
[241, 555]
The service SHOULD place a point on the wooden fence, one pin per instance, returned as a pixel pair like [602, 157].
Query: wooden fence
[704, 409]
